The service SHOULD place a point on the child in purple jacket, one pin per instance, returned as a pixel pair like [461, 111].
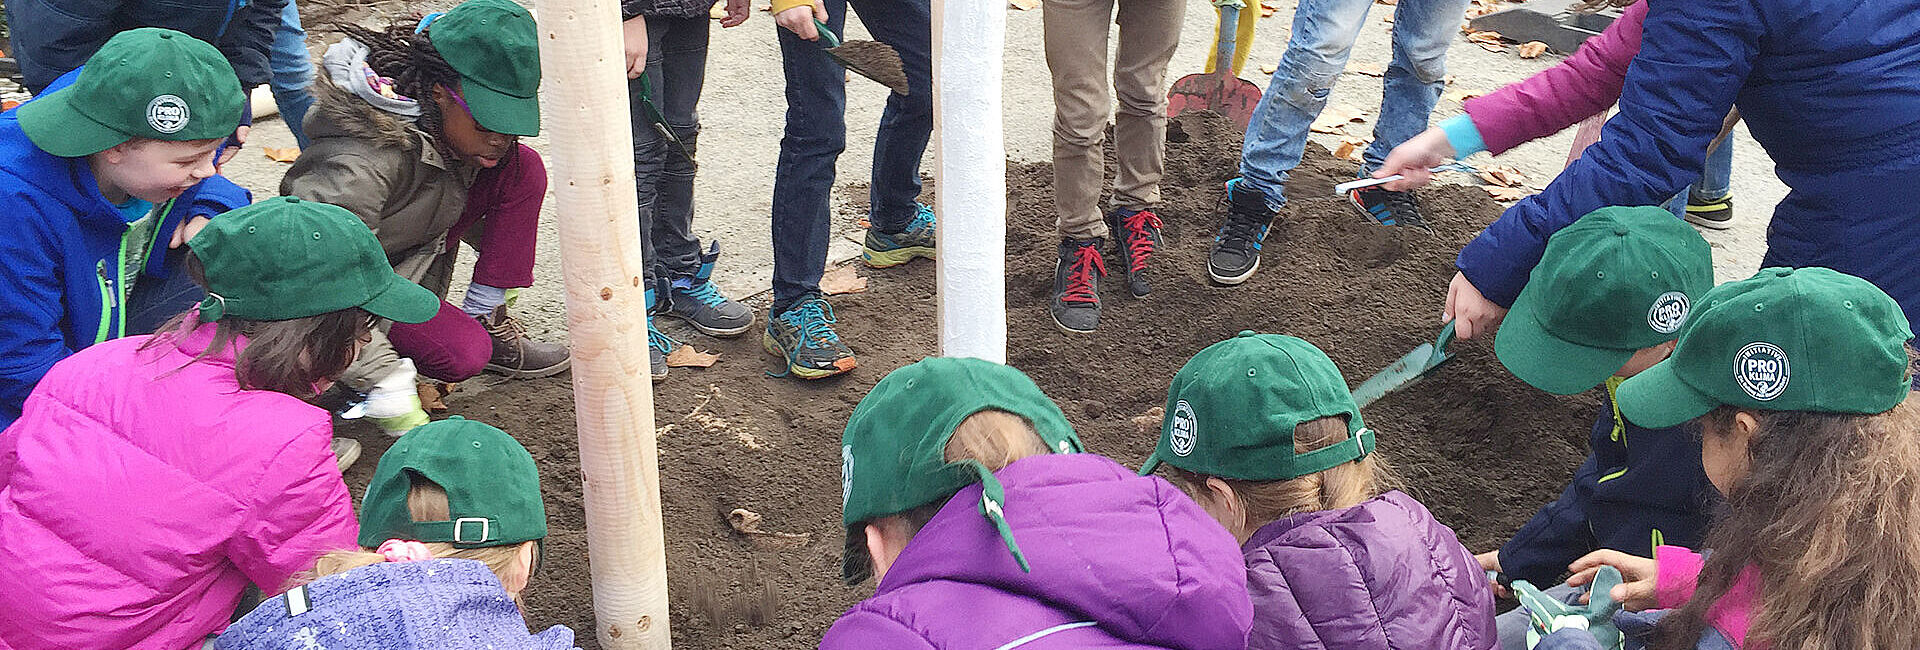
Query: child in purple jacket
[966, 498]
[1261, 431]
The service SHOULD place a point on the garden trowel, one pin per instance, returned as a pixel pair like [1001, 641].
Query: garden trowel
[1408, 369]
[871, 59]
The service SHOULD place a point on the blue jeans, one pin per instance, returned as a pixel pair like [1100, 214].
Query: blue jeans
[292, 72]
[1716, 181]
[1323, 35]
[816, 133]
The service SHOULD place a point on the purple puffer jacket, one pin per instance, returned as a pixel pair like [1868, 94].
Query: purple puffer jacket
[1379, 575]
[1119, 561]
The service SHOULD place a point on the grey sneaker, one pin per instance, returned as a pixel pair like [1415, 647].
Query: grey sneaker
[697, 301]
[1076, 285]
[345, 451]
[659, 345]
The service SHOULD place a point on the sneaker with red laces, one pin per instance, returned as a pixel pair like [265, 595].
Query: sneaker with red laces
[1136, 237]
[1076, 285]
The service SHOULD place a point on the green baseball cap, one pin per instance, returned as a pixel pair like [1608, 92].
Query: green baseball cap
[1232, 410]
[893, 456]
[144, 83]
[492, 44]
[493, 488]
[285, 258]
[1613, 282]
[1808, 339]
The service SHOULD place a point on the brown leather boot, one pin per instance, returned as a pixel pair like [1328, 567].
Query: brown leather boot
[517, 356]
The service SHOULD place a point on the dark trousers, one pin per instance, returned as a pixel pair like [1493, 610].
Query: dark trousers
[816, 133]
[676, 72]
[52, 37]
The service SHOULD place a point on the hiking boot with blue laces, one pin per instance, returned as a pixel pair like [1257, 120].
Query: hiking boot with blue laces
[1236, 250]
[888, 250]
[659, 345]
[804, 336]
[697, 301]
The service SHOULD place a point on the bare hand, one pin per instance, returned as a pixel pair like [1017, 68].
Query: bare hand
[1415, 159]
[186, 231]
[1490, 561]
[737, 13]
[633, 32]
[1471, 312]
[1636, 592]
[799, 20]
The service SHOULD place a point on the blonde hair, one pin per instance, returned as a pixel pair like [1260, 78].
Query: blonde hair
[1342, 486]
[995, 439]
[427, 501]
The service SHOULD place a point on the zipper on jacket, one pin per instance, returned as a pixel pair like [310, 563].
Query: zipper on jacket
[120, 271]
[107, 300]
[1619, 421]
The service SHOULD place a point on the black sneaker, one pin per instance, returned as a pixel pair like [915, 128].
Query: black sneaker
[1388, 208]
[1236, 250]
[1715, 214]
[1135, 237]
[1076, 285]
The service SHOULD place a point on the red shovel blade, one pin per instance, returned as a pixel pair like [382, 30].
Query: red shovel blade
[1219, 92]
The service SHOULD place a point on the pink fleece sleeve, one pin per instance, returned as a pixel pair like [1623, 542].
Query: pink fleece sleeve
[1558, 97]
[1679, 573]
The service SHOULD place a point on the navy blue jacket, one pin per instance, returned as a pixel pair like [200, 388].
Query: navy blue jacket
[61, 256]
[1830, 88]
[52, 37]
[1638, 488]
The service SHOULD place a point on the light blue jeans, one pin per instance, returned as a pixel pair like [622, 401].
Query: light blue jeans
[292, 69]
[1323, 35]
[1716, 181]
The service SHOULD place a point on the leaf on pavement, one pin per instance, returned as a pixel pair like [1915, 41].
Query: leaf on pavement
[1460, 94]
[687, 357]
[1507, 193]
[1023, 5]
[844, 279]
[1333, 118]
[1532, 49]
[1267, 9]
[1350, 148]
[279, 154]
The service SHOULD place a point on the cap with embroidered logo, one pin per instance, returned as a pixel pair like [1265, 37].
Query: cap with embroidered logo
[1617, 280]
[893, 454]
[1232, 409]
[150, 83]
[284, 258]
[492, 486]
[1809, 339]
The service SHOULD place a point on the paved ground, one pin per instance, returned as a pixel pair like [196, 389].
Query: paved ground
[742, 117]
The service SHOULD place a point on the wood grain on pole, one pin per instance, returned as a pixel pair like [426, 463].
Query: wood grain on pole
[584, 98]
[971, 162]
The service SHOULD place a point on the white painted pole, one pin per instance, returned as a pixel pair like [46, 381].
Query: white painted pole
[584, 93]
[970, 159]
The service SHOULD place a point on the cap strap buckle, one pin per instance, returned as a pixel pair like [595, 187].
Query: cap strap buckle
[1354, 448]
[460, 527]
[213, 307]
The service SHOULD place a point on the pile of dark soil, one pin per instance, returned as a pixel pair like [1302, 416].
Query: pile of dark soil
[1479, 448]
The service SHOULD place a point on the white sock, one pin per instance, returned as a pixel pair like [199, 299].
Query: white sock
[481, 299]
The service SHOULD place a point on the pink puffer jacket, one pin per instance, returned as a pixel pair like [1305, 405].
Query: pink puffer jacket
[141, 491]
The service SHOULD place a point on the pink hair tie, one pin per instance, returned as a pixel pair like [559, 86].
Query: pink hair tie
[404, 550]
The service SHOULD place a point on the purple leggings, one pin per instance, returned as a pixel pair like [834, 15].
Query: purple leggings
[505, 203]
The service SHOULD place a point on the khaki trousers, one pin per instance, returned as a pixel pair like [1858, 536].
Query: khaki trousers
[1076, 40]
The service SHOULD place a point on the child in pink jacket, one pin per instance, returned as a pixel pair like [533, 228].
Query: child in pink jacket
[151, 479]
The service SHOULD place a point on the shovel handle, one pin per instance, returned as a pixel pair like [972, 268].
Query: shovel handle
[1224, 42]
[1445, 338]
[832, 41]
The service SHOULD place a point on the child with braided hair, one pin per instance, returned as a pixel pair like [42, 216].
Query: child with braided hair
[416, 131]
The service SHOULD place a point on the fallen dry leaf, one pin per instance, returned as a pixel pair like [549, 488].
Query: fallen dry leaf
[1482, 8]
[1386, 18]
[718, 11]
[1368, 69]
[1023, 5]
[1507, 193]
[8, 104]
[1503, 176]
[1149, 422]
[1267, 9]
[1333, 118]
[1350, 149]
[1489, 41]
[1460, 94]
[1532, 49]
[766, 7]
[842, 280]
[747, 522]
[1269, 68]
[1387, 2]
[278, 154]
[433, 395]
[687, 357]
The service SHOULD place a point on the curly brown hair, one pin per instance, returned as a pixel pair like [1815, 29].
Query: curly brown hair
[1828, 515]
[414, 65]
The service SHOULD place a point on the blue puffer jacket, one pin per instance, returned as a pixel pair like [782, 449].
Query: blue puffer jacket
[1830, 88]
[61, 257]
[1639, 488]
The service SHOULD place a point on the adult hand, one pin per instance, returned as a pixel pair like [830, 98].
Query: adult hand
[1472, 313]
[186, 231]
[799, 20]
[633, 32]
[737, 12]
[1415, 160]
[1638, 576]
[1490, 561]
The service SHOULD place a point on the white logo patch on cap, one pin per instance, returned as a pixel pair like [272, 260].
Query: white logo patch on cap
[1762, 371]
[1669, 312]
[168, 114]
[1180, 437]
[846, 472]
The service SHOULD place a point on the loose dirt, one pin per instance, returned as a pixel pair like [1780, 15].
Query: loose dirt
[1479, 448]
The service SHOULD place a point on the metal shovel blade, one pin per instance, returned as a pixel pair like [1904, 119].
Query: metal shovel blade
[1218, 91]
[1407, 369]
